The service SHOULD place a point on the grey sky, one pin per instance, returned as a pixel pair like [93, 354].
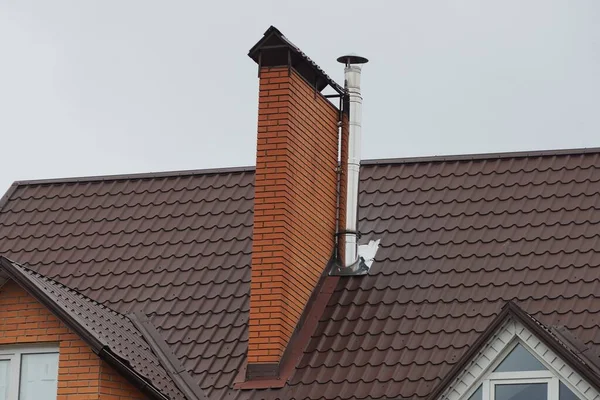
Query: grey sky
[119, 86]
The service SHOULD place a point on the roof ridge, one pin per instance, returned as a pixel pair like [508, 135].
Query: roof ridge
[133, 176]
[483, 156]
[251, 168]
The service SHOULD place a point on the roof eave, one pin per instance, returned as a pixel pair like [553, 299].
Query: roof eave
[97, 347]
[133, 377]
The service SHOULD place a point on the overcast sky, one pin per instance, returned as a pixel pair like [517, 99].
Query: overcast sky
[119, 86]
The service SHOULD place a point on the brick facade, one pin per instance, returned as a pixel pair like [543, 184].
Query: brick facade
[81, 373]
[294, 206]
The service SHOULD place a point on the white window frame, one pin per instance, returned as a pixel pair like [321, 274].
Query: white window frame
[551, 382]
[14, 354]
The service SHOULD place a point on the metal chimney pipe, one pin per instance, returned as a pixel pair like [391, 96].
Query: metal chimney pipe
[352, 73]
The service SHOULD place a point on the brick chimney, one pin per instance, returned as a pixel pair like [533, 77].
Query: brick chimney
[295, 195]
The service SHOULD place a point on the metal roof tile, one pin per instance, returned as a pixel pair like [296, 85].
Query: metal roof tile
[459, 237]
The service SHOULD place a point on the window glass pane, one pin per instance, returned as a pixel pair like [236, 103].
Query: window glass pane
[564, 393]
[477, 395]
[4, 378]
[519, 359]
[39, 373]
[524, 391]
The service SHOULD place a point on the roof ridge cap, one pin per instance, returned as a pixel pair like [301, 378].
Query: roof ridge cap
[251, 168]
[134, 176]
[483, 156]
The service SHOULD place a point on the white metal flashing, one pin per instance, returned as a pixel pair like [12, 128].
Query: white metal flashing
[367, 252]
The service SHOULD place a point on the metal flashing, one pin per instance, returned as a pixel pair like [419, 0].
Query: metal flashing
[366, 256]
[277, 375]
[161, 349]
[274, 49]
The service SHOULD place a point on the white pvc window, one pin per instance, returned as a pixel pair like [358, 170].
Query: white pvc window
[519, 375]
[28, 373]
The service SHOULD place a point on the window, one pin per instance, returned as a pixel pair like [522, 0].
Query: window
[28, 373]
[521, 376]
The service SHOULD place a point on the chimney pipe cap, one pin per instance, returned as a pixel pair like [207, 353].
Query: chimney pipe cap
[352, 59]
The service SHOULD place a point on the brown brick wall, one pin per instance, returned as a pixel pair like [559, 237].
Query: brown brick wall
[81, 373]
[294, 207]
[114, 386]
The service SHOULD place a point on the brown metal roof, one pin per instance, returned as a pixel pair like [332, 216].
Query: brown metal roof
[110, 335]
[459, 237]
[175, 247]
